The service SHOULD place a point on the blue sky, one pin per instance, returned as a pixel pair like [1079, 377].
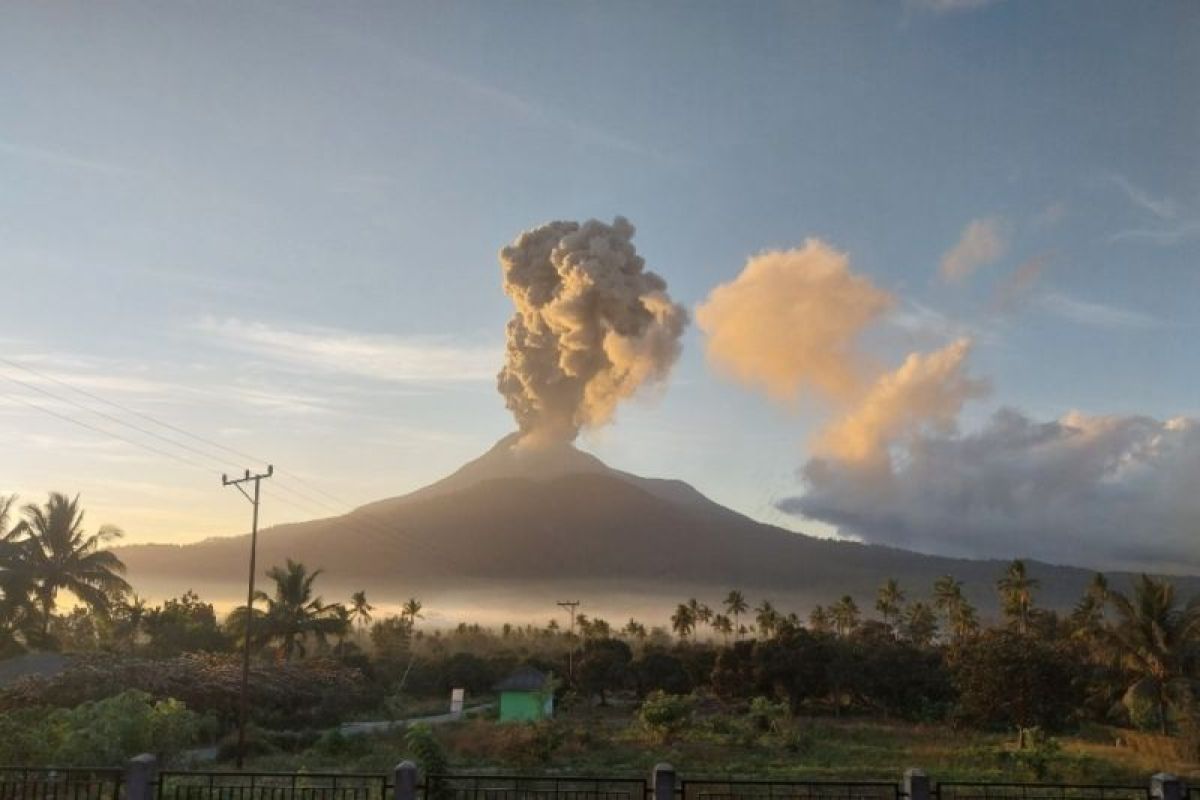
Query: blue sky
[275, 224]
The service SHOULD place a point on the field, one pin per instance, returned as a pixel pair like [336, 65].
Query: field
[722, 742]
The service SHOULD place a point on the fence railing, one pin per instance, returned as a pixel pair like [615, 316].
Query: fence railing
[270, 786]
[25, 783]
[979, 790]
[141, 780]
[522, 787]
[787, 790]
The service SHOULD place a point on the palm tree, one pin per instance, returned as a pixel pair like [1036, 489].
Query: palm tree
[412, 610]
[58, 554]
[948, 598]
[845, 615]
[683, 621]
[634, 630]
[18, 615]
[294, 613]
[889, 600]
[767, 619]
[819, 619]
[919, 624]
[723, 625]
[360, 609]
[1016, 593]
[735, 606]
[1155, 638]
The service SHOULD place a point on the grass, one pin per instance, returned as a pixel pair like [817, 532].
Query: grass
[609, 741]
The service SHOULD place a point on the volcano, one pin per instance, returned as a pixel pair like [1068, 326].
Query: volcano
[513, 531]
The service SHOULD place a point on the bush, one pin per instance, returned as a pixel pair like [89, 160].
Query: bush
[664, 715]
[102, 733]
[312, 693]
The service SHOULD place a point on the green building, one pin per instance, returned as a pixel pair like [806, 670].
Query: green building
[526, 696]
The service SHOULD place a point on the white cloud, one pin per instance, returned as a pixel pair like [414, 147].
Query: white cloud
[375, 356]
[1106, 491]
[983, 242]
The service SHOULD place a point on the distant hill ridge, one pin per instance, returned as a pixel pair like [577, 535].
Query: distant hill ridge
[513, 529]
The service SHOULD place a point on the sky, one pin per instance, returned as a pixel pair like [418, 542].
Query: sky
[275, 227]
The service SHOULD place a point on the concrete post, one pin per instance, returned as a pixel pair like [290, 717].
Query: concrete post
[139, 777]
[405, 780]
[663, 782]
[916, 784]
[1165, 786]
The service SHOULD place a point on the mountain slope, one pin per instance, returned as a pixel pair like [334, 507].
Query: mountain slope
[514, 529]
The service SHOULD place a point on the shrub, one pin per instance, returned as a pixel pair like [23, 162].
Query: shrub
[311, 693]
[101, 733]
[664, 715]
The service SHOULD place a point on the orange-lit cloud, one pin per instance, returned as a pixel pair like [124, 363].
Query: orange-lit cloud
[983, 242]
[790, 323]
[926, 392]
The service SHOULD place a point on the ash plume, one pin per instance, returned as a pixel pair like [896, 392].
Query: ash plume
[592, 326]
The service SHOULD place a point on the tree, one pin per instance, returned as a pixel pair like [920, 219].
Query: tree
[18, 614]
[723, 625]
[1005, 677]
[360, 609]
[56, 553]
[634, 630]
[958, 613]
[766, 618]
[889, 601]
[819, 620]
[1016, 594]
[683, 620]
[604, 667]
[1156, 637]
[294, 614]
[412, 610]
[845, 615]
[735, 606]
[919, 624]
[183, 624]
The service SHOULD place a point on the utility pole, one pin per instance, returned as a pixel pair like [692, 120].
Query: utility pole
[243, 700]
[571, 605]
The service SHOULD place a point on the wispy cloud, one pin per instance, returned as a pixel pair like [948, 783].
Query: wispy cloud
[1172, 224]
[949, 6]
[1019, 284]
[1094, 314]
[61, 159]
[379, 357]
[1163, 208]
[1163, 237]
[982, 242]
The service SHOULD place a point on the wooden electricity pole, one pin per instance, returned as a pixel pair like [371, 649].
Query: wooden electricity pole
[243, 700]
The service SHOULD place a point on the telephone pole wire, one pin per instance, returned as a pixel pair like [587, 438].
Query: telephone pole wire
[571, 605]
[243, 700]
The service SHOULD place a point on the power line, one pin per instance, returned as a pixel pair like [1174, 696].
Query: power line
[149, 418]
[363, 524]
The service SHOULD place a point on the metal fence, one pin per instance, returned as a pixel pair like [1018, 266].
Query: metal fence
[522, 787]
[270, 786]
[787, 790]
[956, 790]
[24, 783]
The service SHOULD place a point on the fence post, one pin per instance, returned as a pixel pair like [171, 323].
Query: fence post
[916, 784]
[405, 779]
[663, 782]
[139, 776]
[1165, 786]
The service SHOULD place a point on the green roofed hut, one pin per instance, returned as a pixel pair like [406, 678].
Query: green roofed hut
[527, 695]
